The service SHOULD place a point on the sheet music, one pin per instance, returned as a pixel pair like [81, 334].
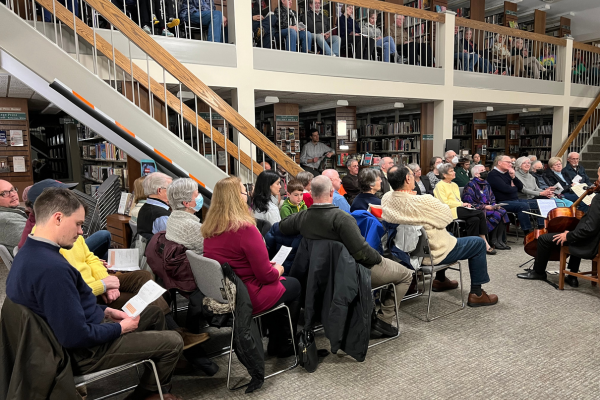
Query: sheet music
[579, 190]
[546, 206]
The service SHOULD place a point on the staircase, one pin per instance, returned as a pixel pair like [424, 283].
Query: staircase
[590, 157]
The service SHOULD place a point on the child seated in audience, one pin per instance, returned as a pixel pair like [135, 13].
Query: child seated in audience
[294, 203]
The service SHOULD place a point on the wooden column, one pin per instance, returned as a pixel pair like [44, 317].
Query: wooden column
[479, 122]
[426, 136]
[510, 13]
[565, 27]
[287, 116]
[539, 22]
[478, 10]
[512, 142]
[14, 115]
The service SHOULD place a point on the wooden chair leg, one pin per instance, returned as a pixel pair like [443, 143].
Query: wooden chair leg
[561, 273]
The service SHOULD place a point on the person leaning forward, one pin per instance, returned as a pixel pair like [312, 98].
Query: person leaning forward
[42, 280]
[326, 221]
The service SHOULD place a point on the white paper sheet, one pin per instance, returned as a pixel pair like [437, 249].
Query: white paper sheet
[16, 138]
[281, 255]
[545, 206]
[576, 179]
[579, 190]
[123, 259]
[147, 294]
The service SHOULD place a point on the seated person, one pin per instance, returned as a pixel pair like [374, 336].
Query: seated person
[261, 24]
[12, 217]
[139, 198]
[42, 280]
[532, 62]
[554, 176]
[506, 186]
[369, 182]
[350, 181]
[583, 243]
[448, 193]
[572, 169]
[476, 159]
[462, 171]
[407, 47]
[325, 221]
[422, 183]
[287, 25]
[461, 53]
[530, 188]
[149, 9]
[384, 165]
[294, 203]
[352, 38]
[480, 57]
[205, 13]
[319, 26]
[403, 207]
[153, 215]
[264, 197]
[183, 226]
[434, 174]
[501, 53]
[230, 236]
[338, 200]
[548, 60]
[370, 28]
[313, 153]
[480, 196]
[305, 177]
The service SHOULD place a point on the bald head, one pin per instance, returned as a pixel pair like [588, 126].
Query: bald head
[449, 156]
[265, 165]
[386, 163]
[321, 189]
[334, 177]
[12, 197]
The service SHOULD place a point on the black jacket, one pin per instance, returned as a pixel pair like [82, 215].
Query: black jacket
[146, 217]
[246, 336]
[569, 172]
[350, 183]
[284, 18]
[25, 336]
[585, 239]
[385, 186]
[551, 178]
[427, 183]
[339, 289]
[316, 23]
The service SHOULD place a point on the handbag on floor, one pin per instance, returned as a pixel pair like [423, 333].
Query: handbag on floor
[307, 350]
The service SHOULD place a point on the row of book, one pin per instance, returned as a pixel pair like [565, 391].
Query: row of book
[536, 130]
[84, 132]
[539, 141]
[464, 12]
[481, 134]
[101, 173]
[103, 151]
[392, 128]
[286, 134]
[391, 145]
[498, 143]
[543, 155]
[56, 140]
[289, 146]
[460, 129]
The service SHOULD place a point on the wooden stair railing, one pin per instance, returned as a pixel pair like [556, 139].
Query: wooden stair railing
[86, 33]
[580, 125]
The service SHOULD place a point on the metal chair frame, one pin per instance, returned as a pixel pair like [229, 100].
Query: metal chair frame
[6, 257]
[380, 288]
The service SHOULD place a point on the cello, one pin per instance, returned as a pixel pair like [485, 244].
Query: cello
[559, 220]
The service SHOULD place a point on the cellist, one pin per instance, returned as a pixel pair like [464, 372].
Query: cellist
[583, 242]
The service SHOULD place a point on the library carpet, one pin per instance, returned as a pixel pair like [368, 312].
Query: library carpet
[536, 343]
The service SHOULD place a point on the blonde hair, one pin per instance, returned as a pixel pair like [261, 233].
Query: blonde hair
[138, 190]
[553, 161]
[227, 212]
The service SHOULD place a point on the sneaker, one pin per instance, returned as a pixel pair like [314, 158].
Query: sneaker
[166, 33]
[147, 29]
[173, 22]
[154, 19]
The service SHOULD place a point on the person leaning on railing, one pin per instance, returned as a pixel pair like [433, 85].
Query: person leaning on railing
[502, 53]
[352, 39]
[529, 61]
[318, 25]
[370, 28]
[205, 13]
[407, 46]
[286, 23]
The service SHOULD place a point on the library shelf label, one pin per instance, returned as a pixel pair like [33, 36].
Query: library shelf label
[207, 116]
[13, 116]
[287, 118]
[427, 137]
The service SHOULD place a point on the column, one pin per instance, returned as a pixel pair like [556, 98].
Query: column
[243, 101]
[446, 47]
[560, 129]
[564, 63]
[442, 125]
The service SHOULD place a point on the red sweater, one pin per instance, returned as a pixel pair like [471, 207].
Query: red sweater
[247, 254]
[308, 200]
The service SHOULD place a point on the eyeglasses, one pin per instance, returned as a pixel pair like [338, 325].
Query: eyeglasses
[7, 193]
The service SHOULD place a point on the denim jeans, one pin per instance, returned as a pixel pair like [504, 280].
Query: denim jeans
[214, 24]
[99, 243]
[292, 37]
[472, 249]
[324, 44]
[485, 65]
[389, 47]
[518, 206]
[466, 58]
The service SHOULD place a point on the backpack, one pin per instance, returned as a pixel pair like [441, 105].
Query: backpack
[168, 261]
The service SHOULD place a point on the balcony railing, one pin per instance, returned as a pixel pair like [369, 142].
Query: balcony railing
[586, 64]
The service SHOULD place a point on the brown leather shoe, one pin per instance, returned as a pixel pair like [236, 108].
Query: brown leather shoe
[192, 339]
[167, 396]
[483, 300]
[446, 285]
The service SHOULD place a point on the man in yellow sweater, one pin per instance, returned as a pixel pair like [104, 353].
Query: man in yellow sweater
[402, 206]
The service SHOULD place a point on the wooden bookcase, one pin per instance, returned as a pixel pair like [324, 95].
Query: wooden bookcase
[535, 136]
[286, 117]
[14, 115]
[480, 122]
[512, 140]
[510, 13]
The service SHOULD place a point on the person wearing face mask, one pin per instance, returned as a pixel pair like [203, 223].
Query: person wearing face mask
[531, 190]
[183, 226]
[450, 157]
[554, 175]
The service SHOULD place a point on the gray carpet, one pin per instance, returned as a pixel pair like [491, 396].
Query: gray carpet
[537, 343]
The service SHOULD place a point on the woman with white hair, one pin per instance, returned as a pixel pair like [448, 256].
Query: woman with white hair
[530, 188]
[183, 226]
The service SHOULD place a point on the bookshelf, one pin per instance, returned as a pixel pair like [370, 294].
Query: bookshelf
[496, 138]
[480, 136]
[324, 121]
[512, 135]
[16, 119]
[535, 136]
[287, 129]
[462, 129]
[560, 29]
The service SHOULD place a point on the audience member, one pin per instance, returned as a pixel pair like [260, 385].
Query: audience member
[572, 169]
[294, 202]
[147, 13]
[480, 58]
[462, 171]
[403, 207]
[264, 198]
[554, 176]
[369, 28]
[479, 195]
[450, 157]
[205, 13]
[261, 23]
[532, 158]
[448, 193]
[434, 174]
[153, 215]
[12, 217]
[287, 26]
[305, 178]
[139, 198]
[325, 221]
[350, 181]
[28, 204]
[407, 46]
[318, 24]
[183, 226]
[530, 188]
[42, 280]
[265, 165]
[338, 200]
[230, 236]
[468, 60]
[506, 186]
[384, 165]
[533, 63]
[313, 153]
[354, 42]
[501, 53]
[548, 61]
[369, 183]
[476, 159]
[422, 183]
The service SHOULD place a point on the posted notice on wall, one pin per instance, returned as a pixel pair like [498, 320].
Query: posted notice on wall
[147, 294]
[123, 259]
[16, 138]
[19, 164]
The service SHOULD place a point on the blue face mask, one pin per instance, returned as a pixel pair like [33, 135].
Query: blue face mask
[199, 203]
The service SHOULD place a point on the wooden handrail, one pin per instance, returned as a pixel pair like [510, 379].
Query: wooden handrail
[579, 126]
[397, 9]
[87, 34]
[163, 58]
[586, 47]
[503, 30]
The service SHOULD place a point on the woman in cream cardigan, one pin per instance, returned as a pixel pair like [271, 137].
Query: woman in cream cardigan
[448, 193]
[402, 206]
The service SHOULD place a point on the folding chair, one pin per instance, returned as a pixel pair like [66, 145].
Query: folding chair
[380, 289]
[209, 277]
[6, 257]
[133, 227]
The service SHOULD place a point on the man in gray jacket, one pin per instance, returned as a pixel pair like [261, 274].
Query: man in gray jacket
[12, 217]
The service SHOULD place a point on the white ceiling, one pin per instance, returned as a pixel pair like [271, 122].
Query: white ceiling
[307, 99]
